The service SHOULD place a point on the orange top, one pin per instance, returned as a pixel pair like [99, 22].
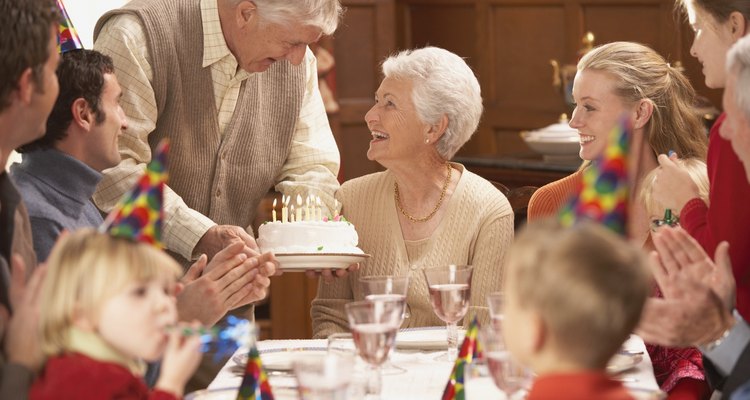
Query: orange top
[548, 199]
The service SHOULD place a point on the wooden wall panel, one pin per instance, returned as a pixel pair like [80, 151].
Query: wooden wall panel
[635, 23]
[365, 37]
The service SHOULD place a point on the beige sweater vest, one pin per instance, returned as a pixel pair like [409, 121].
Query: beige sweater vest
[221, 176]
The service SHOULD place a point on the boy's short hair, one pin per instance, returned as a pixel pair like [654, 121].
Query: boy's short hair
[85, 269]
[587, 284]
[698, 173]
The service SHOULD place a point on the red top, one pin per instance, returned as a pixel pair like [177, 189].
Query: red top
[75, 376]
[588, 385]
[728, 215]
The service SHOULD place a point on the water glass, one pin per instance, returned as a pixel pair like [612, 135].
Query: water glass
[450, 292]
[323, 377]
[495, 305]
[508, 374]
[478, 382]
[388, 288]
[374, 325]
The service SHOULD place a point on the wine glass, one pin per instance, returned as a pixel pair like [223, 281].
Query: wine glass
[450, 291]
[374, 325]
[509, 375]
[388, 288]
[495, 304]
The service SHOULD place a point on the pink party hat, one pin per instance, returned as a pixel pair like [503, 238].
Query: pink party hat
[255, 384]
[470, 350]
[603, 193]
[138, 215]
[68, 37]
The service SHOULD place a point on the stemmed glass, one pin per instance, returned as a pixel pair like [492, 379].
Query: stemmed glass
[450, 291]
[324, 377]
[388, 288]
[509, 375]
[374, 325]
[495, 304]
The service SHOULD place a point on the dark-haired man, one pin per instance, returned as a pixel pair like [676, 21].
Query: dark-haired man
[28, 88]
[60, 170]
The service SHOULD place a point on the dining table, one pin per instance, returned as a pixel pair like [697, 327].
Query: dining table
[423, 377]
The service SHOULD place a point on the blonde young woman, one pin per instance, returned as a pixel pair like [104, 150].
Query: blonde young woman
[630, 79]
[423, 210]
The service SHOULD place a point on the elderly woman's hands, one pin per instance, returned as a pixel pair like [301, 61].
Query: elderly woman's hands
[329, 275]
[698, 293]
[674, 187]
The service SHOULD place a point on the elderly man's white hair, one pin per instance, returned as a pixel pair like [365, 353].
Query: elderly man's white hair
[323, 14]
[443, 84]
[738, 62]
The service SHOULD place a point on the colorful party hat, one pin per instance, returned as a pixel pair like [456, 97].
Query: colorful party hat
[470, 350]
[68, 38]
[138, 215]
[255, 384]
[603, 193]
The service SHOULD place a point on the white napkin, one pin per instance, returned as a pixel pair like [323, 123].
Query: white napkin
[427, 338]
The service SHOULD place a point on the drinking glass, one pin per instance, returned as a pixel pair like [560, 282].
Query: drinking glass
[323, 377]
[388, 288]
[374, 325]
[495, 304]
[450, 291]
[343, 344]
[509, 375]
[478, 382]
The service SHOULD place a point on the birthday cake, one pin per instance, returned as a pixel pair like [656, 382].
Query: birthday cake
[338, 237]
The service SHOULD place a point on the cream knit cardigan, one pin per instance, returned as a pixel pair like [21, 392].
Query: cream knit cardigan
[476, 229]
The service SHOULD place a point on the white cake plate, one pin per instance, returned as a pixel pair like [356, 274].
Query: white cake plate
[296, 262]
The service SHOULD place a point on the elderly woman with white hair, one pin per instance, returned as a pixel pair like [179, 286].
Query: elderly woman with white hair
[423, 210]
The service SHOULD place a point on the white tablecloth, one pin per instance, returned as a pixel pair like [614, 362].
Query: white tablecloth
[425, 378]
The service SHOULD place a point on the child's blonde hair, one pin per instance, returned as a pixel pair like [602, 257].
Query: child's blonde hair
[85, 269]
[587, 284]
[698, 173]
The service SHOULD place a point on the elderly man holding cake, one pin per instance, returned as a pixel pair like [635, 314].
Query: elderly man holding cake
[423, 210]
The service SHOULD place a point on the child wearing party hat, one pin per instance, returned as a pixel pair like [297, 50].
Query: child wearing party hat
[573, 295]
[108, 305]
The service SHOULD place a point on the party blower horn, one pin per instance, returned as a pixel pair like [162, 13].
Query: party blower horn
[603, 193]
[68, 36]
[471, 349]
[138, 215]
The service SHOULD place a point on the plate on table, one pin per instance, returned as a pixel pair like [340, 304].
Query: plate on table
[426, 338]
[281, 359]
[279, 393]
[623, 361]
[295, 262]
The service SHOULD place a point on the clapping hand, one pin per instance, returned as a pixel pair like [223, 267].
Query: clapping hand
[232, 279]
[698, 293]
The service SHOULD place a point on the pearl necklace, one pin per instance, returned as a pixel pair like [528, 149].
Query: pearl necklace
[434, 210]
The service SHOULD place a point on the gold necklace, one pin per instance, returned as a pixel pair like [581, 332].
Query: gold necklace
[434, 210]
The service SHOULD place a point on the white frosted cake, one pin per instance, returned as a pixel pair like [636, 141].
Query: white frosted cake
[308, 237]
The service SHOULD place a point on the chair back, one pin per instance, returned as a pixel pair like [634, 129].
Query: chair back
[519, 201]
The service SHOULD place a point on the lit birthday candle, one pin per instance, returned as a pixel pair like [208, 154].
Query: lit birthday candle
[273, 211]
[318, 208]
[335, 210]
[298, 216]
[291, 214]
[307, 208]
[284, 209]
